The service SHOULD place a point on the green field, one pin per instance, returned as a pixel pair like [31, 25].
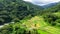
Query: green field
[43, 27]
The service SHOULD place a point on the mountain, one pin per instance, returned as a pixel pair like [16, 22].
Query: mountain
[15, 10]
[26, 18]
[54, 8]
[49, 5]
[43, 24]
[51, 15]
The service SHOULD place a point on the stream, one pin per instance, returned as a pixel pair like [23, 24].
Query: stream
[5, 24]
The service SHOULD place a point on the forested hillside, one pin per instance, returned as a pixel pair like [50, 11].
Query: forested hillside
[49, 5]
[26, 18]
[15, 10]
[51, 15]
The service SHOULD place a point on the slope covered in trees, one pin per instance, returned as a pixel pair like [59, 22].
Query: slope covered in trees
[28, 18]
[51, 15]
[15, 10]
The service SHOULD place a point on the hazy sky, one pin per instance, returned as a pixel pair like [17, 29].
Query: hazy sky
[42, 2]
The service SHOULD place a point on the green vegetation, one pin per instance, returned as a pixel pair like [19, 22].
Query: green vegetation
[15, 10]
[31, 26]
[28, 18]
[35, 25]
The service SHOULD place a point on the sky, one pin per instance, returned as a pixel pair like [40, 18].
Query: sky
[42, 2]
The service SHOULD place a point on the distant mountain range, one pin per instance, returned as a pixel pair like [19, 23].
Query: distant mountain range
[49, 5]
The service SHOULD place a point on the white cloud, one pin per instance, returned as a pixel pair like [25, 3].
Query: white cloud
[42, 2]
[28, 0]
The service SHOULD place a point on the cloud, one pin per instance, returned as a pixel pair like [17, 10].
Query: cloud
[28, 0]
[42, 2]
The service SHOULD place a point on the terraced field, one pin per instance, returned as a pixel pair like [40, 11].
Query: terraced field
[39, 23]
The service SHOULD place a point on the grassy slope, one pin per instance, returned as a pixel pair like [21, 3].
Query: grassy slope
[37, 22]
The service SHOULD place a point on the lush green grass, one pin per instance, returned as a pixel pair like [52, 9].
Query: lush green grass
[43, 27]
[36, 23]
[42, 32]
